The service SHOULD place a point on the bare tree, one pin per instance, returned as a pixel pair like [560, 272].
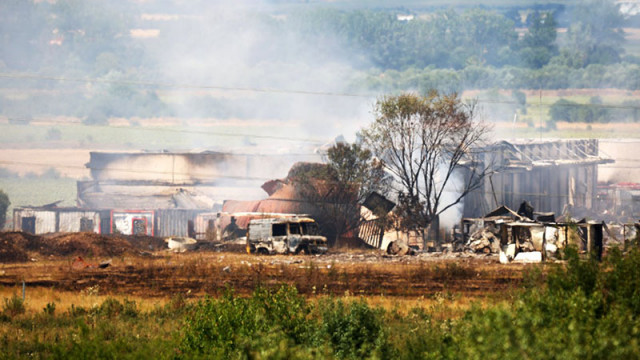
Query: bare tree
[426, 142]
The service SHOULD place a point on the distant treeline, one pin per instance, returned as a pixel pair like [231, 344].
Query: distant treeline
[550, 77]
[387, 51]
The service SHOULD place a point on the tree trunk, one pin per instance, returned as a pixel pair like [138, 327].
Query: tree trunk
[434, 230]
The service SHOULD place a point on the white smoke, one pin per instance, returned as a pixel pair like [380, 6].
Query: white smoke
[278, 73]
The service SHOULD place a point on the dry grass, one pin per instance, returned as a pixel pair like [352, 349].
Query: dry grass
[37, 298]
[445, 287]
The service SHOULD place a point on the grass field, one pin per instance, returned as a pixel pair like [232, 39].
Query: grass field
[577, 309]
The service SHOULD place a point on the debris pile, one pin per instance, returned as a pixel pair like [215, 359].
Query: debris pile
[12, 248]
[18, 246]
[400, 249]
[484, 241]
[516, 236]
[84, 244]
[80, 264]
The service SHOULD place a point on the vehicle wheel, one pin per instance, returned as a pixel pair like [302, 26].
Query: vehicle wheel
[303, 251]
[263, 251]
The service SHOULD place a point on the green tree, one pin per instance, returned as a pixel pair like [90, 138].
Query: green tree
[595, 35]
[427, 143]
[486, 33]
[539, 43]
[337, 189]
[90, 29]
[4, 205]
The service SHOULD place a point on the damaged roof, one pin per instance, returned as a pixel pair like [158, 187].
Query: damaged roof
[529, 154]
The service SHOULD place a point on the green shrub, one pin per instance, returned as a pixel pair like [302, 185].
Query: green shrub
[13, 306]
[49, 309]
[112, 307]
[355, 331]
[231, 326]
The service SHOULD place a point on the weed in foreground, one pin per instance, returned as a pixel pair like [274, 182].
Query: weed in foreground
[13, 306]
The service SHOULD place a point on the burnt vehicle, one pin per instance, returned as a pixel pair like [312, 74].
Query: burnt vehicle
[285, 235]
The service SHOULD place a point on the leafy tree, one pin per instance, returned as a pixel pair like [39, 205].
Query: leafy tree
[570, 111]
[89, 29]
[486, 33]
[521, 100]
[337, 189]
[541, 31]
[4, 205]
[427, 143]
[595, 35]
[539, 43]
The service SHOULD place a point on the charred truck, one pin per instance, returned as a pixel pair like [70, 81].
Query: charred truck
[285, 235]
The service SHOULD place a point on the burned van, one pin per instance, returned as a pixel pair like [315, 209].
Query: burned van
[285, 235]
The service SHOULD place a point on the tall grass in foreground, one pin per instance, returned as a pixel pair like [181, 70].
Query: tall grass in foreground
[583, 309]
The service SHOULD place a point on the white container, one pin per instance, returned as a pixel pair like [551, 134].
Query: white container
[181, 244]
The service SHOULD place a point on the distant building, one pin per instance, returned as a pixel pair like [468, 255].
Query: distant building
[52, 219]
[552, 175]
[160, 180]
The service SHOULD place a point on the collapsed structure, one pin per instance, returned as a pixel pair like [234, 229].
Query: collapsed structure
[516, 235]
[162, 180]
[554, 176]
[200, 194]
[159, 193]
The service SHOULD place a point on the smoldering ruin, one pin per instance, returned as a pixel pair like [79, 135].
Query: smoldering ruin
[553, 185]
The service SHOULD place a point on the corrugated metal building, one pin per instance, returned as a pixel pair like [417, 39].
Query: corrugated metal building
[43, 220]
[552, 175]
[132, 222]
[162, 223]
[176, 222]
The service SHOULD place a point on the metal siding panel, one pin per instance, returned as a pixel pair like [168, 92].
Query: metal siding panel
[45, 222]
[202, 226]
[174, 222]
[70, 221]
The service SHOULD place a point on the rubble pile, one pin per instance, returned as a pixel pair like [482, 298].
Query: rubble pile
[146, 243]
[399, 248]
[12, 248]
[483, 241]
[18, 246]
[516, 236]
[84, 244]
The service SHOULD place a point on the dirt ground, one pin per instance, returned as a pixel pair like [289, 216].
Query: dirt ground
[141, 267]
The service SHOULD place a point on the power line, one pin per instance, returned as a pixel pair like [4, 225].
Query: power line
[606, 106]
[180, 86]
[195, 132]
[273, 90]
[135, 171]
[216, 177]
